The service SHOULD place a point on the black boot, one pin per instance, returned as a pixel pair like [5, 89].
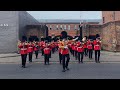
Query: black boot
[63, 70]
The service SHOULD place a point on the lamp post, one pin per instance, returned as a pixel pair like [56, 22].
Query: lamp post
[80, 27]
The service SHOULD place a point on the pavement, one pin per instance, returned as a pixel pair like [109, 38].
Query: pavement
[16, 58]
[109, 68]
[54, 71]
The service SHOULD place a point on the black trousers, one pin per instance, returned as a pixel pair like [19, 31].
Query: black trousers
[76, 55]
[70, 50]
[65, 60]
[86, 52]
[23, 57]
[53, 50]
[30, 56]
[50, 55]
[36, 54]
[60, 57]
[46, 58]
[90, 53]
[56, 48]
[97, 55]
[73, 53]
[80, 56]
[42, 50]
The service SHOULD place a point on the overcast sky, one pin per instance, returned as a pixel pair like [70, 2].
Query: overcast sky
[66, 14]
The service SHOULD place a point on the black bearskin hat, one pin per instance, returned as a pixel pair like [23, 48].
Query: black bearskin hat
[48, 38]
[30, 39]
[64, 35]
[42, 39]
[24, 38]
[97, 35]
[36, 39]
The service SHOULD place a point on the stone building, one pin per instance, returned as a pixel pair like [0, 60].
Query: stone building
[56, 26]
[14, 25]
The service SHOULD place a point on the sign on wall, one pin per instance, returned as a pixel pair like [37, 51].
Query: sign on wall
[3, 24]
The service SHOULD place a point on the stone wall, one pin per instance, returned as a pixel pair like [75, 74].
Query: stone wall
[8, 31]
[109, 32]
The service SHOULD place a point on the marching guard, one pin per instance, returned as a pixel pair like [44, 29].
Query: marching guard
[46, 54]
[65, 55]
[80, 50]
[42, 46]
[60, 52]
[90, 48]
[23, 51]
[30, 49]
[97, 48]
[36, 48]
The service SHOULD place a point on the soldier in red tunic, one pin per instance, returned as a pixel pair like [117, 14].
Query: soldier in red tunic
[90, 48]
[97, 48]
[60, 51]
[75, 50]
[65, 55]
[23, 51]
[36, 48]
[42, 46]
[80, 50]
[73, 47]
[46, 54]
[30, 49]
[85, 48]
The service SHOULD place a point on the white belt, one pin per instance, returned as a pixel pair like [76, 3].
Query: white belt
[24, 49]
[30, 47]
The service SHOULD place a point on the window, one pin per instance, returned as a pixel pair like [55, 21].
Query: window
[68, 27]
[57, 27]
[75, 27]
[50, 27]
[103, 19]
[64, 27]
[60, 27]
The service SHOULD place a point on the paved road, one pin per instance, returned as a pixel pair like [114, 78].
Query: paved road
[54, 71]
[37, 70]
[105, 57]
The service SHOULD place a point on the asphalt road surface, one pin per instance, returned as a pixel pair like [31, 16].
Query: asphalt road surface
[37, 70]
[54, 71]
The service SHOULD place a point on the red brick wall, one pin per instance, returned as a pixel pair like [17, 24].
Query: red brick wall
[109, 33]
[109, 15]
[36, 32]
[71, 32]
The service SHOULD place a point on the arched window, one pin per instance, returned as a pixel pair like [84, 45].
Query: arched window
[75, 27]
[50, 27]
[64, 27]
[68, 27]
[60, 27]
[57, 27]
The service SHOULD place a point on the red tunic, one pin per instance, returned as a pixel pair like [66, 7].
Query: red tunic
[88, 42]
[69, 45]
[60, 50]
[65, 51]
[30, 48]
[72, 47]
[42, 44]
[80, 49]
[95, 42]
[78, 43]
[36, 48]
[85, 45]
[46, 50]
[89, 46]
[75, 48]
[23, 50]
[96, 47]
